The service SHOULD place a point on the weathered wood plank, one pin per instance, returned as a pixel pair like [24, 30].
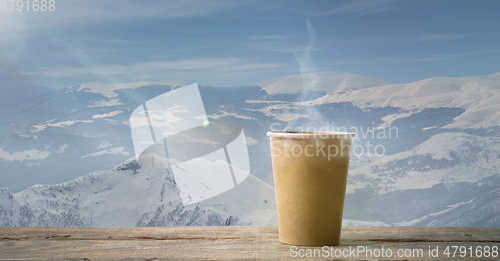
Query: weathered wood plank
[227, 242]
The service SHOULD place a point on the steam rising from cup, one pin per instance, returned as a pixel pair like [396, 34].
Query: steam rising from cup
[309, 78]
[311, 82]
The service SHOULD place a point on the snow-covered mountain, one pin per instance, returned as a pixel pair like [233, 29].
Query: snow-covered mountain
[128, 196]
[479, 96]
[476, 204]
[441, 163]
[445, 174]
[445, 158]
[328, 82]
[82, 128]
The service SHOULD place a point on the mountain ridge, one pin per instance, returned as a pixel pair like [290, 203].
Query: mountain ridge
[128, 196]
[75, 131]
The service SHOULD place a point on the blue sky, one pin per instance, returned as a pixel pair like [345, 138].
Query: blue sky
[234, 43]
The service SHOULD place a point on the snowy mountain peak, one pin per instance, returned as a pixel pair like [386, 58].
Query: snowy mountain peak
[328, 82]
[444, 158]
[129, 196]
[477, 95]
[108, 90]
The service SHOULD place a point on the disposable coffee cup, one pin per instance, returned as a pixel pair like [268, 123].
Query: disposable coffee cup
[310, 180]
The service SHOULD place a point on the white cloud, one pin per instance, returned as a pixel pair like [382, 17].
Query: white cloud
[437, 37]
[275, 47]
[71, 12]
[406, 38]
[280, 43]
[270, 37]
[389, 60]
[360, 8]
[145, 68]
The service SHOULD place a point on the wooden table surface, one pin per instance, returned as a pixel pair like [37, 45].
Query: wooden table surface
[405, 243]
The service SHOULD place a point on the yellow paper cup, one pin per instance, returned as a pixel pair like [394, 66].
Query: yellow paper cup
[310, 180]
